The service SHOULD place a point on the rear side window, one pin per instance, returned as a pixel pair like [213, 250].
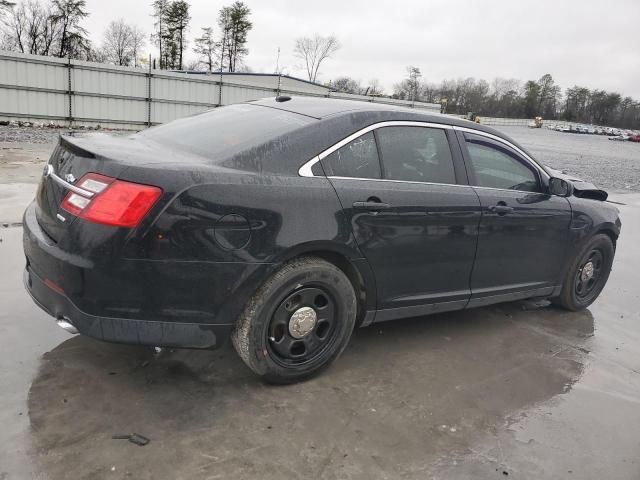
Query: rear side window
[226, 131]
[356, 159]
[418, 154]
[497, 168]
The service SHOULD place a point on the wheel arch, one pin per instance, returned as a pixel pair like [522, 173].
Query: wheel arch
[610, 232]
[356, 268]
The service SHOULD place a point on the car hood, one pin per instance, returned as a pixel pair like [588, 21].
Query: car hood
[581, 189]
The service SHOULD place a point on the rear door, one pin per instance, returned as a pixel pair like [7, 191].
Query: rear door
[416, 225]
[524, 230]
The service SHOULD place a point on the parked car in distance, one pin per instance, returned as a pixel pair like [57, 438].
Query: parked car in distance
[621, 138]
[284, 223]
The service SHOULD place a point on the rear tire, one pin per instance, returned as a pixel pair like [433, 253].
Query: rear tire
[298, 322]
[588, 274]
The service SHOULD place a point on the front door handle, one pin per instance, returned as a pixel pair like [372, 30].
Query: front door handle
[501, 209]
[372, 206]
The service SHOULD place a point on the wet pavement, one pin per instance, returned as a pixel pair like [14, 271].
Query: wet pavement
[511, 391]
[515, 389]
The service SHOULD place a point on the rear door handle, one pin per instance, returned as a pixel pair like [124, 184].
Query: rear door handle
[500, 209]
[371, 206]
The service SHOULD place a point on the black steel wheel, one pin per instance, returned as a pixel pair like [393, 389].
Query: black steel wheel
[588, 274]
[302, 326]
[298, 322]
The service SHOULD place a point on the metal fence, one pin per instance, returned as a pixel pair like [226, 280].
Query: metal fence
[72, 92]
[505, 122]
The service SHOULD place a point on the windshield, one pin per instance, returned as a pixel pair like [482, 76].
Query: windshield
[226, 131]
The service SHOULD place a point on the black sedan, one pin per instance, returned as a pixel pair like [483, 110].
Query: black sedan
[284, 223]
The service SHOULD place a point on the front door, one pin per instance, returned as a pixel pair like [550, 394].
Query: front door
[524, 230]
[414, 224]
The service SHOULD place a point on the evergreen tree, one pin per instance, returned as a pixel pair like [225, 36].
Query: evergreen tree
[68, 14]
[234, 27]
[160, 8]
[177, 21]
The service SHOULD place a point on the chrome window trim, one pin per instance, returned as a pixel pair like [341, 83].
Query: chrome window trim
[335, 177]
[50, 173]
[305, 170]
[510, 190]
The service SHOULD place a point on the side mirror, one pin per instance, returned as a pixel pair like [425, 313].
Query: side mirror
[560, 187]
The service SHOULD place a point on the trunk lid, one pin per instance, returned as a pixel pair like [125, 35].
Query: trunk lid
[104, 154]
[72, 158]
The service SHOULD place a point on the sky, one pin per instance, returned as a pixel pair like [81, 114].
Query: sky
[590, 43]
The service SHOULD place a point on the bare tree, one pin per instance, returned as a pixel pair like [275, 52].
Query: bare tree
[16, 28]
[138, 42]
[414, 81]
[411, 88]
[206, 47]
[314, 50]
[117, 43]
[374, 88]
[29, 28]
[346, 85]
[5, 5]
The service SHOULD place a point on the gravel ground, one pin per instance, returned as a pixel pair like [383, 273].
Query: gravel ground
[30, 135]
[24, 150]
[614, 166]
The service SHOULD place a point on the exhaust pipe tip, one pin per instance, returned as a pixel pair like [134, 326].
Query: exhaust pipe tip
[67, 326]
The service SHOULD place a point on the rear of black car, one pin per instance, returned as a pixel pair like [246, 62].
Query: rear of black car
[111, 238]
[81, 263]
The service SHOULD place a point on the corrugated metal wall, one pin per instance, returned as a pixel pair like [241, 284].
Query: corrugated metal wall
[47, 89]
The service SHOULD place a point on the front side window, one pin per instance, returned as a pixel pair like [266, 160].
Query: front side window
[496, 168]
[419, 154]
[356, 159]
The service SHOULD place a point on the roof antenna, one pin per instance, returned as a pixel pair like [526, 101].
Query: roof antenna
[279, 74]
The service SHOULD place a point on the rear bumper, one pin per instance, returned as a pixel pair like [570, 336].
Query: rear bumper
[123, 330]
[171, 304]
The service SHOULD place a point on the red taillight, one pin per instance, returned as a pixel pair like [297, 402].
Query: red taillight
[114, 202]
[53, 286]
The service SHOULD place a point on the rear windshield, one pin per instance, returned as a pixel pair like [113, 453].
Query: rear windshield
[226, 131]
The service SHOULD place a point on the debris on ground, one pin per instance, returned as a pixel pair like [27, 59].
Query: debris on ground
[534, 304]
[136, 438]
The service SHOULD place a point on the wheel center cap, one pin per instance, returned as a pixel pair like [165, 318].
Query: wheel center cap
[302, 322]
[587, 272]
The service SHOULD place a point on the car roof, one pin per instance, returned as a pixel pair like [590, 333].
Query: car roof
[322, 108]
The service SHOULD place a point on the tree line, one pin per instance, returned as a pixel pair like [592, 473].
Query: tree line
[54, 27]
[509, 98]
[51, 28]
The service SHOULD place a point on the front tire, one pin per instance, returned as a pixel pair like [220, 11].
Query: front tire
[298, 322]
[588, 274]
